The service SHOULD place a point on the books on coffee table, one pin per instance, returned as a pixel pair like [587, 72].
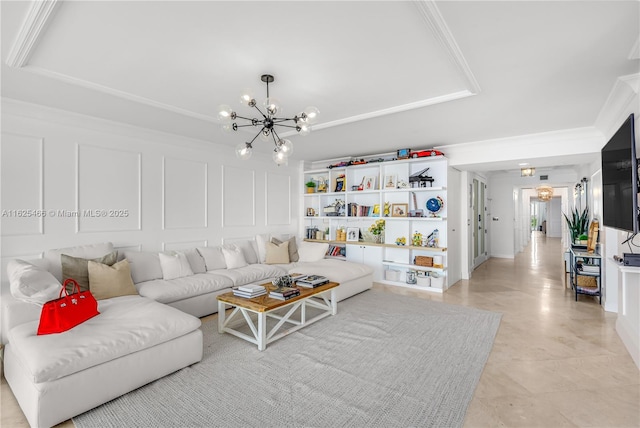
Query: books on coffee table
[249, 291]
[285, 293]
[312, 281]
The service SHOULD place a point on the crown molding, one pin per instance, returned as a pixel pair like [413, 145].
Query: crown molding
[621, 100]
[117, 93]
[33, 27]
[391, 110]
[436, 23]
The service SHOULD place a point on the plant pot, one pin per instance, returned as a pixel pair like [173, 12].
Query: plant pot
[311, 190]
[378, 239]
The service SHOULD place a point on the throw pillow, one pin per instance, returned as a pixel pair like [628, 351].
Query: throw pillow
[77, 268]
[213, 258]
[145, 265]
[312, 251]
[195, 261]
[277, 253]
[261, 244]
[174, 265]
[88, 252]
[110, 281]
[234, 257]
[293, 248]
[248, 247]
[31, 283]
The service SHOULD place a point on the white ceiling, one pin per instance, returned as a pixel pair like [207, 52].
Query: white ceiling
[385, 75]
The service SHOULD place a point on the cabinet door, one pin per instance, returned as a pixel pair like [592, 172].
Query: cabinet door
[368, 255]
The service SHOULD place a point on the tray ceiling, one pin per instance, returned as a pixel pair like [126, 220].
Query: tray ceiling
[383, 74]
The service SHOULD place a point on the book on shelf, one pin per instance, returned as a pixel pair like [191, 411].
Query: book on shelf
[287, 297]
[313, 281]
[336, 251]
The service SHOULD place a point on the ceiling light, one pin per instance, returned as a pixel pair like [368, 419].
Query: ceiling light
[545, 193]
[527, 172]
[267, 121]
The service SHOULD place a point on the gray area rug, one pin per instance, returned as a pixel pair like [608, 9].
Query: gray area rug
[384, 360]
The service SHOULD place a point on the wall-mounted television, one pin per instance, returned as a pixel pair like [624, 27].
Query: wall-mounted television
[620, 188]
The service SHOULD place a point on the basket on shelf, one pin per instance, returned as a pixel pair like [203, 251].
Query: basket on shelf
[587, 281]
[423, 261]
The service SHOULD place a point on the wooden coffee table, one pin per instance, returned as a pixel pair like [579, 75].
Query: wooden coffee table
[322, 297]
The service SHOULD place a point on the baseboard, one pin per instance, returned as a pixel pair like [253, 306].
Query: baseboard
[503, 256]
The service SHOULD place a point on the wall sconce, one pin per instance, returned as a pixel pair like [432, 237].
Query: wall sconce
[527, 172]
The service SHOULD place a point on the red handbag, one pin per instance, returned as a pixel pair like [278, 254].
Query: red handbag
[67, 312]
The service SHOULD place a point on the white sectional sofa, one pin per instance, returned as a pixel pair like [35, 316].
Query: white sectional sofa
[58, 376]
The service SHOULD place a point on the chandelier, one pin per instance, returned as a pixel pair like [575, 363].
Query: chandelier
[266, 122]
[545, 193]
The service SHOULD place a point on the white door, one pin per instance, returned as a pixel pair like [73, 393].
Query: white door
[478, 225]
[554, 218]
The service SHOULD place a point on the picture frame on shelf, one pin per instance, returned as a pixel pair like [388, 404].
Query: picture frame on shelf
[369, 183]
[399, 210]
[340, 184]
[404, 153]
[390, 181]
[353, 234]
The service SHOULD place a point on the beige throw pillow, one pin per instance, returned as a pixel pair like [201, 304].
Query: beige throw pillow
[111, 281]
[277, 253]
[293, 248]
[77, 268]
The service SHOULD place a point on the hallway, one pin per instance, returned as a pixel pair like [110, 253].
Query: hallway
[555, 362]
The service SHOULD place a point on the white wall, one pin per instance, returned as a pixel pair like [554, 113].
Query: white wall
[160, 191]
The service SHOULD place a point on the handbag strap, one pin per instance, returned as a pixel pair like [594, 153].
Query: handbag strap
[76, 287]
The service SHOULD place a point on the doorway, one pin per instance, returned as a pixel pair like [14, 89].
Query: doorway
[479, 229]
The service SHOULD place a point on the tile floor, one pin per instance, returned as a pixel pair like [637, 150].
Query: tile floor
[555, 362]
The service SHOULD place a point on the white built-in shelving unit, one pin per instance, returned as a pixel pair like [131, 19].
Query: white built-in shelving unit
[387, 255]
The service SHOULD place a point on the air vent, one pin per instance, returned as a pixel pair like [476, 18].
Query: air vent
[544, 177]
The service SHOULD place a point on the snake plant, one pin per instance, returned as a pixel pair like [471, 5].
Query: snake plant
[578, 223]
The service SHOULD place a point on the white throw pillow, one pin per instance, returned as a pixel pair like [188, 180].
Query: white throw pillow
[213, 258]
[145, 265]
[261, 244]
[312, 251]
[31, 283]
[234, 257]
[195, 261]
[174, 265]
[248, 247]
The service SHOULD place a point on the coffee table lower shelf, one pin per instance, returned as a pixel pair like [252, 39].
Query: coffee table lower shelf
[322, 298]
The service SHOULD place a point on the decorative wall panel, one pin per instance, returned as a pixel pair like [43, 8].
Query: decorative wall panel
[238, 194]
[278, 201]
[108, 189]
[181, 246]
[184, 194]
[22, 185]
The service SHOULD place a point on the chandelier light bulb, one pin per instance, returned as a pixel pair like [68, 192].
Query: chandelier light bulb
[224, 113]
[279, 157]
[272, 106]
[265, 135]
[226, 127]
[305, 129]
[246, 96]
[311, 114]
[243, 151]
[286, 147]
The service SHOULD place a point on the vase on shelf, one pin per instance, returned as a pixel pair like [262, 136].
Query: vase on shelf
[378, 239]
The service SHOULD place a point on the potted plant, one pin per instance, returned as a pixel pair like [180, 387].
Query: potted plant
[311, 186]
[583, 239]
[377, 229]
[578, 223]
